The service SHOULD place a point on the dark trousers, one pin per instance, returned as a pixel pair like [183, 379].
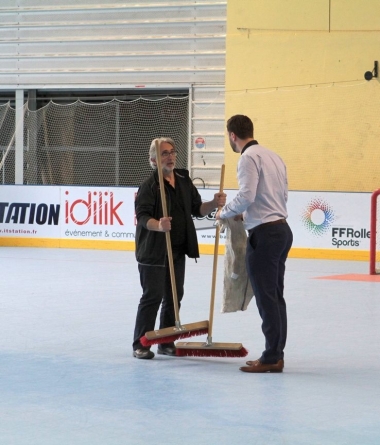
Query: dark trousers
[267, 249]
[156, 285]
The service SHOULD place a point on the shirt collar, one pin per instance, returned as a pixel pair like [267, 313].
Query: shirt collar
[253, 142]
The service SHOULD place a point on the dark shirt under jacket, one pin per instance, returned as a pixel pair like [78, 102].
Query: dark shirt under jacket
[178, 223]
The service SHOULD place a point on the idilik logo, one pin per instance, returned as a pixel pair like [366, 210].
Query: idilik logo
[99, 208]
[318, 216]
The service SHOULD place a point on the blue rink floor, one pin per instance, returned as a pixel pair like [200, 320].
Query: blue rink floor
[68, 376]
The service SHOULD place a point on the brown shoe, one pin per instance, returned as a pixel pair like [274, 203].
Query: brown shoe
[252, 363]
[257, 366]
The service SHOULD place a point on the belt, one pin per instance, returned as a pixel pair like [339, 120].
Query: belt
[270, 223]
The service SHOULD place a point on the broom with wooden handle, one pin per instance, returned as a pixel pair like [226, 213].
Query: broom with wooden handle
[210, 349]
[168, 335]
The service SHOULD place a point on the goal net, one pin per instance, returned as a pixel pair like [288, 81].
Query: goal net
[96, 144]
[7, 140]
[375, 234]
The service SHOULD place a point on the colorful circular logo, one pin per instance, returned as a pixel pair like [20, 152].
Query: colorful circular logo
[318, 216]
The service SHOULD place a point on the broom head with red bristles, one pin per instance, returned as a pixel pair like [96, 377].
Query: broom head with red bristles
[169, 335]
[199, 349]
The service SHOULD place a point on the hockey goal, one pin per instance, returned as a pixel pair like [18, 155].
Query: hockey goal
[374, 252]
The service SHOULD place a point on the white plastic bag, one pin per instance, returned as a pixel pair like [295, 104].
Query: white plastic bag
[237, 290]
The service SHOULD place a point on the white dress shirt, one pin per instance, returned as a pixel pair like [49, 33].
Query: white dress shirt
[263, 187]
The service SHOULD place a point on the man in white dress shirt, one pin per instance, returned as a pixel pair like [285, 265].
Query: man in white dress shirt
[261, 202]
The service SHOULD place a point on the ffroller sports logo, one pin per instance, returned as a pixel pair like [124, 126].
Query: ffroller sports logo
[318, 216]
[351, 237]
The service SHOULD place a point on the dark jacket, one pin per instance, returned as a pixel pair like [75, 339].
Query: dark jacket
[151, 245]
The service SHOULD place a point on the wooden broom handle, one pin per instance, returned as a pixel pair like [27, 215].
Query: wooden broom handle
[215, 264]
[167, 234]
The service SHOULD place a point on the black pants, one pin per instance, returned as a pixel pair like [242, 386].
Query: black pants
[156, 285]
[267, 250]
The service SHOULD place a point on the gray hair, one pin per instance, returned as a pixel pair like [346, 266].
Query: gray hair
[152, 150]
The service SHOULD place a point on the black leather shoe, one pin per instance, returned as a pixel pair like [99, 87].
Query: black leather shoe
[166, 350]
[143, 353]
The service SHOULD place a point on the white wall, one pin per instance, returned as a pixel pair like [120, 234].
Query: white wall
[113, 44]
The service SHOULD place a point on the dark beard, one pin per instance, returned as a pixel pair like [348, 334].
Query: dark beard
[233, 146]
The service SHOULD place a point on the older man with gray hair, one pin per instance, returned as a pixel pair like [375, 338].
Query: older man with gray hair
[183, 201]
